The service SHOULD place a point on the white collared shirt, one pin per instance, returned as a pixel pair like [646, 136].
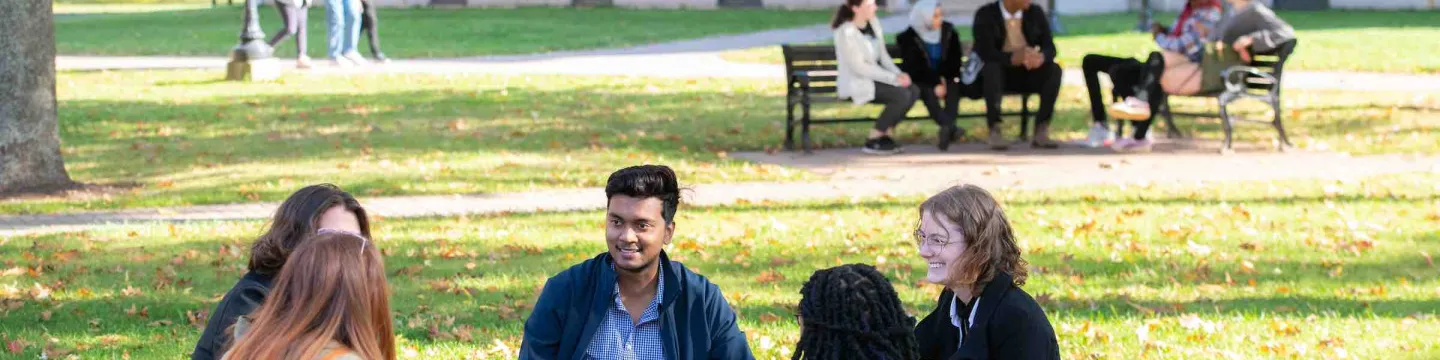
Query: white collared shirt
[955, 315]
[1018, 15]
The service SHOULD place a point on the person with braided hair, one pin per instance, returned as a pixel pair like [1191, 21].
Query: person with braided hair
[967, 242]
[852, 312]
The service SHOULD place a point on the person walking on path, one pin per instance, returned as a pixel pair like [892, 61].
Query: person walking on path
[294, 14]
[343, 37]
[369, 24]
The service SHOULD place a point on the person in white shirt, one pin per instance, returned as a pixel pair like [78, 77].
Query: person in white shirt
[867, 73]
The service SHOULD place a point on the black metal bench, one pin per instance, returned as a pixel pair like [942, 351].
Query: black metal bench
[1259, 81]
[810, 72]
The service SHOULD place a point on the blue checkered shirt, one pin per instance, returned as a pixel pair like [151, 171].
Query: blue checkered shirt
[620, 339]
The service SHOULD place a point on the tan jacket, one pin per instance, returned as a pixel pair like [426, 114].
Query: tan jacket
[333, 350]
[862, 61]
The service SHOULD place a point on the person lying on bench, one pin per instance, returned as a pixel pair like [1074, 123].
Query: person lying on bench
[1184, 42]
[1013, 39]
[931, 55]
[1250, 26]
[868, 74]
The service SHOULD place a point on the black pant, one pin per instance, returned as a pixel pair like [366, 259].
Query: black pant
[897, 101]
[998, 78]
[368, 24]
[1130, 78]
[948, 113]
[294, 18]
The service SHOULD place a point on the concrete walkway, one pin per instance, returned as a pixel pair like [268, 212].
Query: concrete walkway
[921, 170]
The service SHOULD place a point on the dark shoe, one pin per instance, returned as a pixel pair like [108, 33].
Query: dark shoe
[1041, 139]
[948, 133]
[997, 140]
[880, 146]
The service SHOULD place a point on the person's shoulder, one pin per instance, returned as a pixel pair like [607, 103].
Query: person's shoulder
[695, 284]
[578, 272]
[846, 29]
[1018, 304]
[993, 6]
[907, 34]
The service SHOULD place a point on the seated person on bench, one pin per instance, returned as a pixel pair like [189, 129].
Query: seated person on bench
[1250, 26]
[866, 73]
[931, 55]
[1183, 42]
[1013, 39]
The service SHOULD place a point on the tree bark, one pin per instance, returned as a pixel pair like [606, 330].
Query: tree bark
[29, 129]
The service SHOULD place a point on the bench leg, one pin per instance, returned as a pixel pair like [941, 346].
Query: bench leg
[1024, 117]
[789, 125]
[1171, 131]
[1285, 144]
[805, 123]
[1228, 124]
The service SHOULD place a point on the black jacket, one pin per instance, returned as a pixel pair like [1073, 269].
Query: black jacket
[916, 57]
[1009, 324]
[989, 30]
[245, 297]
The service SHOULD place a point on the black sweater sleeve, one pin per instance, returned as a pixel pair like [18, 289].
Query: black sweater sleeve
[984, 29]
[954, 55]
[913, 60]
[1046, 40]
[242, 300]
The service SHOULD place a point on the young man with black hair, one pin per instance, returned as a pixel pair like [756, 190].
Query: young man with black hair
[632, 302]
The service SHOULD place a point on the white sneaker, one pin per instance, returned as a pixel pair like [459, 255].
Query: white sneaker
[1132, 145]
[1130, 109]
[356, 58]
[342, 62]
[1099, 136]
[303, 62]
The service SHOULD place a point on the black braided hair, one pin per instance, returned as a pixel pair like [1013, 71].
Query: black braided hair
[852, 312]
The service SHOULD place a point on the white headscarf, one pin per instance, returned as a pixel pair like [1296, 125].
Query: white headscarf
[921, 16]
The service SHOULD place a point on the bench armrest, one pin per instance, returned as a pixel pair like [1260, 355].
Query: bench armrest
[1235, 78]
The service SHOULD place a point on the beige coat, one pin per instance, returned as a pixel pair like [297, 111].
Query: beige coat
[862, 61]
[333, 350]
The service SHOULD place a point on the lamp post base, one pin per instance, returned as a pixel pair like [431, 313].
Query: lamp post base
[252, 61]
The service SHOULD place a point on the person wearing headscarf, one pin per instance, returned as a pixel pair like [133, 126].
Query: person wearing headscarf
[932, 56]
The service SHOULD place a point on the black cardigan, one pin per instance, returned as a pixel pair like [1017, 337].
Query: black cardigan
[1009, 324]
[244, 298]
[916, 59]
[989, 30]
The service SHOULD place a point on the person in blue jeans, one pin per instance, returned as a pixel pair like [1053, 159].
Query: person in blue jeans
[343, 17]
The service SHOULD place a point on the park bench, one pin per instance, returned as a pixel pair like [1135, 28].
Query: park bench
[810, 72]
[1258, 81]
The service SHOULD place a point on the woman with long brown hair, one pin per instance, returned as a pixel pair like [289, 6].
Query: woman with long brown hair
[299, 217]
[967, 242]
[331, 302]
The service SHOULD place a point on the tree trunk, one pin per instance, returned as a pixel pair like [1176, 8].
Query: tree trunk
[29, 130]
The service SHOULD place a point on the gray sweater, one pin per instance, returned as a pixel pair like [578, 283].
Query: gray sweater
[1257, 21]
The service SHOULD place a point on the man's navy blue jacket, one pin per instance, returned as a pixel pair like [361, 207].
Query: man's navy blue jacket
[695, 320]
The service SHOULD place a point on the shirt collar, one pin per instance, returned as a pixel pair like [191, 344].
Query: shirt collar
[1018, 15]
[654, 303]
[955, 311]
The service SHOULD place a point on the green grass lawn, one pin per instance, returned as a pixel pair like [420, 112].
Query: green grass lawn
[1293, 269]
[183, 137]
[1330, 40]
[418, 32]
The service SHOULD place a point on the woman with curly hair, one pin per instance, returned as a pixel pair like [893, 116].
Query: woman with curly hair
[967, 242]
[852, 312]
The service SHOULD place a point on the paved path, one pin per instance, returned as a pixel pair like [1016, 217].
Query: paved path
[697, 58]
[921, 170]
